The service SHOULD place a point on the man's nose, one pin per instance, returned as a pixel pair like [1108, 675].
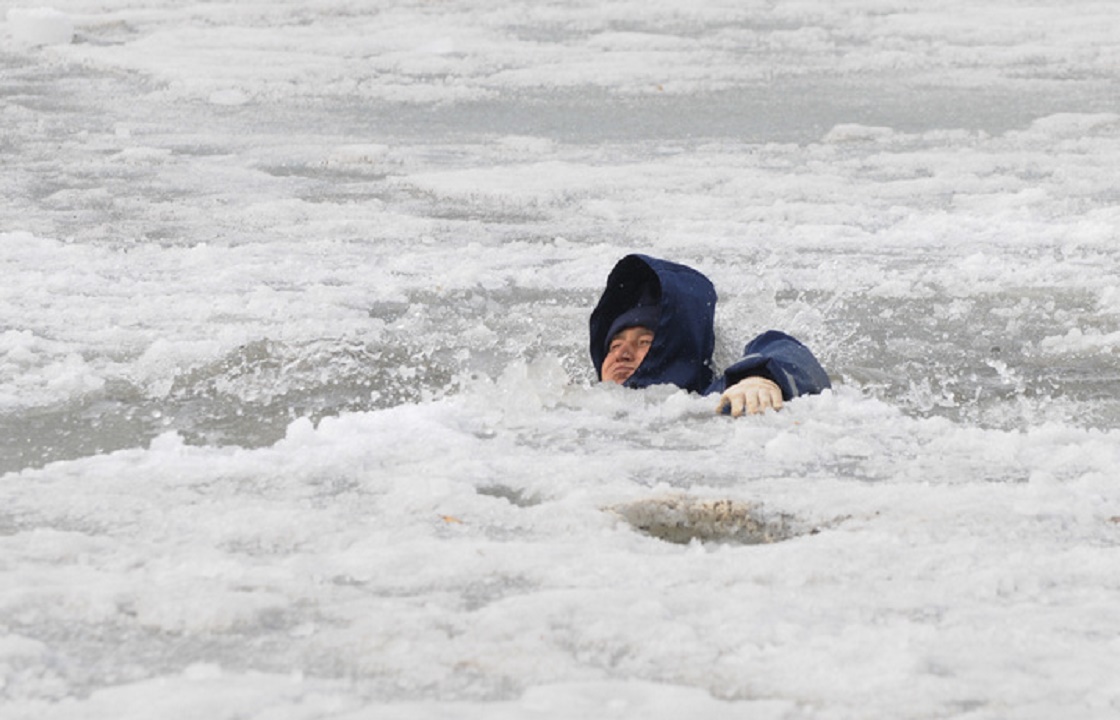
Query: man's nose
[626, 349]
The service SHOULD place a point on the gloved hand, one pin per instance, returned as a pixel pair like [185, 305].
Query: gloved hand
[753, 394]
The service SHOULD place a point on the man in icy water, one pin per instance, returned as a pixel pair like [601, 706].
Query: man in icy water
[655, 324]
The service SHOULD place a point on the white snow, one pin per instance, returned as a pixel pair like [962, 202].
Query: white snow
[296, 418]
[40, 26]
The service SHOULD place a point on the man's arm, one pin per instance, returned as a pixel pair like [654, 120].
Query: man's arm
[780, 359]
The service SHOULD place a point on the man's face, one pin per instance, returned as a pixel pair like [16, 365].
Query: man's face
[626, 352]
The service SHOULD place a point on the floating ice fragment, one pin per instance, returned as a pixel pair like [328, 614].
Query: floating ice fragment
[852, 132]
[1074, 125]
[167, 443]
[301, 431]
[40, 26]
[1078, 341]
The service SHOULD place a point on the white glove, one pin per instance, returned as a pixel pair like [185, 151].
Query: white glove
[754, 394]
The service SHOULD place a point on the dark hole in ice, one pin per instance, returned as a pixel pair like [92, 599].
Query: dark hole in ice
[682, 519]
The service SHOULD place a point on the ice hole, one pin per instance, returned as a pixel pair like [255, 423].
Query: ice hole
[682, 519]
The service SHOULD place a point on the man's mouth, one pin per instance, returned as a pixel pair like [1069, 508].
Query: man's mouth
[621, 373]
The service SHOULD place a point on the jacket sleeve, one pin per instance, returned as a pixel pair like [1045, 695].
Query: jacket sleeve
[781, 358]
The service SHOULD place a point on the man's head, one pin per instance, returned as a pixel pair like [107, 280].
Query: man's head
[681, 304]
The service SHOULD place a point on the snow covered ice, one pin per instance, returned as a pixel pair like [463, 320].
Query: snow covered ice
[40, 26]
[296, 414]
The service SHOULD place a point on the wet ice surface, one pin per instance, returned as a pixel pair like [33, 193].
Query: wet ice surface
[295, 411]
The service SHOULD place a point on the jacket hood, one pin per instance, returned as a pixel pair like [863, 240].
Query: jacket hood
[684, 337]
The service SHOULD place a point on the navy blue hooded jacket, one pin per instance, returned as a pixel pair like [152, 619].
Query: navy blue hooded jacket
[684, 336]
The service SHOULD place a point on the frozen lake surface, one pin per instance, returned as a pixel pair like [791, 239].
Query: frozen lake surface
[296, 413]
